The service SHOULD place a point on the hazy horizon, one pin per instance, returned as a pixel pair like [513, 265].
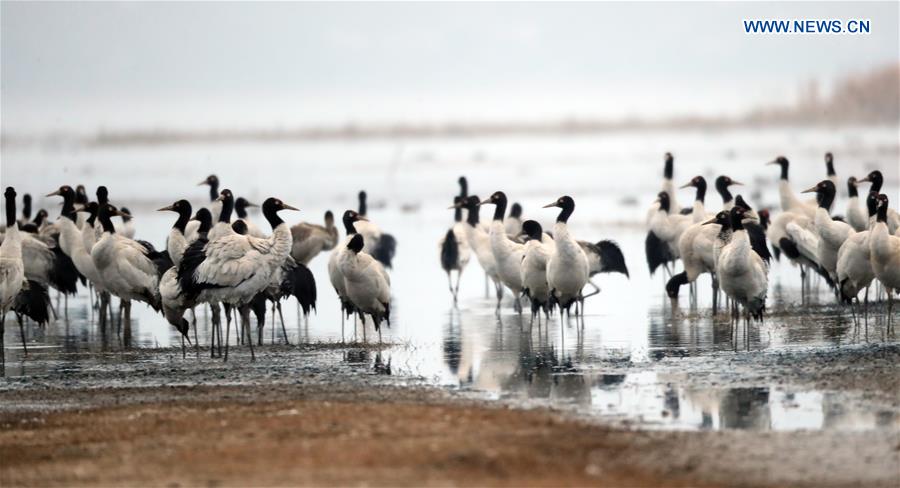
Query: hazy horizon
[89, 66]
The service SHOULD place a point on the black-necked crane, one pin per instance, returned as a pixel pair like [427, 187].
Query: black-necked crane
[233, 268]
[129, 269]
[831, 233]
[367, 283]
[215, 206]
[176, 242]
[854, 263]
[568, 269]
[789, 200]
[877, 180]
[312, 239]
[479, 241]
[723, 182]
[12, 268]
[885, 252]
[538, 249]
[742, 273]
[349, 219]
[127, 223]
[513, 222]
[455, 251]
[668, 225]
[26, 209]
[507, 253]
[658, 251]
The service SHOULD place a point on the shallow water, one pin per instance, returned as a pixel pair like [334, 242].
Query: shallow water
[605, 369]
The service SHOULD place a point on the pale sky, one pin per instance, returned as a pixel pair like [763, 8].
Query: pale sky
[83, 66]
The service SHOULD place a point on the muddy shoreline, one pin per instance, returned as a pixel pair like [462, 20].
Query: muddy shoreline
[182, 423]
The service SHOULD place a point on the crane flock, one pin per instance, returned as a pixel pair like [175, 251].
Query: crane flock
[212, 260]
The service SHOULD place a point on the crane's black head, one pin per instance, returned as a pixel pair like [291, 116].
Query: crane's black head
[533, 230]
[211, 180]
[515, 211]
[722, 218]
[349, 217]
[471, 203]
[764, 218]
[203, 216]
[567, 204]
[829, 164]
[81, 197]
[699, 183]
[126, 214]
[784, 164]
[239, 227]
[740, 202]
[877, 180]
[241, 205]
[882, 208]
[824, 191]
[329, 218]
[737, 216]
[68, 194]
[227, 199]
[270, 209]
[104, 214]
[356, 243]
[872, 203]
[102, 195]
[10, 196]
[852, 187]
[722, 184]
[183, 209]
[363, 206]
[498, 199]
[669, 170]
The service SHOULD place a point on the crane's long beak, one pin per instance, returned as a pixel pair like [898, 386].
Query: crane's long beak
[774, 161]
[164, 209]
[121, 213]
[710, 221]
[736, 183]
[202, 183]
[863, 180]
[454, 206]
[360, 217]
[251, 204]
[484, 202]
[810, 190]
[686, 185]
[285, 206]
[53, 194]
[549, 205]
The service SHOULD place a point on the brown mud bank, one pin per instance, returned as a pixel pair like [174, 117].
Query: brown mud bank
[316, 435]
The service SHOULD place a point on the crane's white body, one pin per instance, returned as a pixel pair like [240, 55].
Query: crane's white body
[507, 256]
[366, 281]
[742, 274]
[72, 244]
[534, 267]
[310, 239]
[697, 249]
[856, 216]
[885, 253]
[125, 269]
[567, 269]
[832, 234]
[12, 269]
[854, 266]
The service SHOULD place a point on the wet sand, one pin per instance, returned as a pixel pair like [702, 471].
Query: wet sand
[327, 430]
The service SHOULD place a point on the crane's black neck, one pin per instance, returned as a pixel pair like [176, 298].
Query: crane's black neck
[872, 204]
[348, 223]
[92, 213]
[669, 170]
[664, 202]
[68, 207]
[784, 170]
[463, 187]
[736, 219]
[363, 208]
[882, 212]
[240, 207]
[457, 214]
[227, 208]
[568, 207]
[724, 192]
[829, 163]
[26, 206]
[10, 197]
[184, 215]
[500, 207]
[105, 221]
[270, 212]
[852, 191]
[213, 189]
[472, 211]
[701, 190]
[205, 218]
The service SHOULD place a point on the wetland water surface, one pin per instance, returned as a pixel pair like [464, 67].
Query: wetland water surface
[638, 360]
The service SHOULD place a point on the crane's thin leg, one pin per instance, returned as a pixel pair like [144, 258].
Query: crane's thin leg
[22, 332]
[126, 312]
[456, 290]
[245, 317]
[342, 324]
[595, 287]
[866, 308]
[227, 337]
[3, 337]
[283, 328]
